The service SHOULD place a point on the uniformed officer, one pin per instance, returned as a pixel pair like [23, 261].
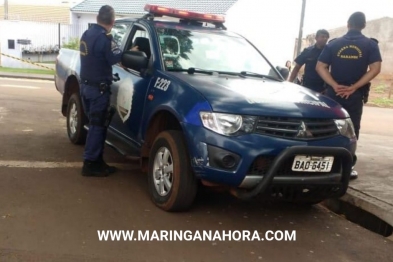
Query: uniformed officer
[349, 58]
[309, 57]
[98, 53]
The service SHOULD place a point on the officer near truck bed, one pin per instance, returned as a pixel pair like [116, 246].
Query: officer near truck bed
[349, 58]
[98, 52]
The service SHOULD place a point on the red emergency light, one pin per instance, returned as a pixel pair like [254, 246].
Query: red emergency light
[172, 12]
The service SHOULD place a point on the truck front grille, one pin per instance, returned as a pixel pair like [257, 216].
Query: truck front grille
[296, 128]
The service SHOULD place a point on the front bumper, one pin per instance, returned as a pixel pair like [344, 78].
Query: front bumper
[262, 163]
[333, 184]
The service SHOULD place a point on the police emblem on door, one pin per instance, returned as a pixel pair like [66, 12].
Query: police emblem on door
[124, 99]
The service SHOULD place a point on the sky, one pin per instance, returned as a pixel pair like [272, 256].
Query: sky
[273, 25]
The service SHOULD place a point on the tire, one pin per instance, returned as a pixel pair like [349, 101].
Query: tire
[76, 120]
[179, 195]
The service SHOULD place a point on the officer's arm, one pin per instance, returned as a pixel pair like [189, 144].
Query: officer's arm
[300, 61]
[323, 71]
[322, 67]
[113, 53]
[295, 72]
[375, 69]
[375, 61]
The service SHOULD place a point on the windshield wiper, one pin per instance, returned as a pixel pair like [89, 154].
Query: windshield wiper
[246, 73]
[191, 70]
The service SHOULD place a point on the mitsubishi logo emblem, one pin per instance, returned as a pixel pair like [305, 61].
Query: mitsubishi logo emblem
[303, 131]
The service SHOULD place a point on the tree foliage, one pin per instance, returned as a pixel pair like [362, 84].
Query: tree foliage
[73, 43]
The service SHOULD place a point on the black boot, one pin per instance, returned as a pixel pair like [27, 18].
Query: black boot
[109, 169]
[94, 168]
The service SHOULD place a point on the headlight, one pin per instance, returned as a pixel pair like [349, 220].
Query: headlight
[345, 127]
[227, 124]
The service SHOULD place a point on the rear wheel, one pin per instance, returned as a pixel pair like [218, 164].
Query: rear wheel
[76, 120]
[172, 184]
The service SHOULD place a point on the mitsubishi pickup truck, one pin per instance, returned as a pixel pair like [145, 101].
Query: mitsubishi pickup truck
[199, 105]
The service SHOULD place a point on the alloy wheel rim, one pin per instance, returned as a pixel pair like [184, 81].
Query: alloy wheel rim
[73, 120]
[163, 171]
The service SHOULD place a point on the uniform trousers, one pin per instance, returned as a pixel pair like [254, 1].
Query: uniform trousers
[95, 104]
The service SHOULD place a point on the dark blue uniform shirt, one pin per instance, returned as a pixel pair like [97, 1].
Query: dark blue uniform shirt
[309, 57]
[98, 53]
[350, 56]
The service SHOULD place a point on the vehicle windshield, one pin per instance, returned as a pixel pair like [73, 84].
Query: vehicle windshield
[184, 49]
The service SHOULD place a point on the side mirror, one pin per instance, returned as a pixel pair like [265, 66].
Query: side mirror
[283, 71]
[136, 60]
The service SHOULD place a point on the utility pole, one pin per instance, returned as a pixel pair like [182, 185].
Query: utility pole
[5, 9]
[300, 37]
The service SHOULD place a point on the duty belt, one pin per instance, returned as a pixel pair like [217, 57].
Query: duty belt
[102, 85]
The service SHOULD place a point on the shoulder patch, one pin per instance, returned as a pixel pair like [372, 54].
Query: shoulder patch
[375, 40]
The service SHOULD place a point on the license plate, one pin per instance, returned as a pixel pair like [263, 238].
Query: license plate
[312, 164]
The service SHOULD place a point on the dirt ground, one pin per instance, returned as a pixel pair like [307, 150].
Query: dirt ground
[381, 93]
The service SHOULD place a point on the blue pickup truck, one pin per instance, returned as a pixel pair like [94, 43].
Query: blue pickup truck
[201, 106]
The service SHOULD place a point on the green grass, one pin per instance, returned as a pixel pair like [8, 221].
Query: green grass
[27, 71]
[380, 89]
[382, 102]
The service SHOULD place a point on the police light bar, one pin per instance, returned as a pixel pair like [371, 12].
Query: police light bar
[172, 12]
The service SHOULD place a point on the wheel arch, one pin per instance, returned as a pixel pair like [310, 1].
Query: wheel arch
[71, 87]
[160, 121]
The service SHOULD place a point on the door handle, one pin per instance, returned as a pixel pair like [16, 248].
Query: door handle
[116, 77]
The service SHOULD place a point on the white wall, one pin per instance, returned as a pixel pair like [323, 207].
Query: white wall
[8, 31]
[83, 18]
[43, 36]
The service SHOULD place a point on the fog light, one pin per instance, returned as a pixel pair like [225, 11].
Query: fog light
[228, 161]
[222, 159]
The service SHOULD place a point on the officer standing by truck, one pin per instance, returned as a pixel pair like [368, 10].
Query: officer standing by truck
[349, 58]
[98, 53]
[309, 58]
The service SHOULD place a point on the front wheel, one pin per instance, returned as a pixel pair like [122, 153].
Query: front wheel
[172, 184]
[76, 120]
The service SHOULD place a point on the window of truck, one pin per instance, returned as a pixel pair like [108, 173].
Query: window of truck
[182, 49]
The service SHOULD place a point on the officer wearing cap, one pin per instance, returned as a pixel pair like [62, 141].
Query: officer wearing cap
[354, 61]
[309, 57]
[98, 53]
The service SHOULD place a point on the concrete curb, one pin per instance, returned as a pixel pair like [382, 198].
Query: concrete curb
[370, 204]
